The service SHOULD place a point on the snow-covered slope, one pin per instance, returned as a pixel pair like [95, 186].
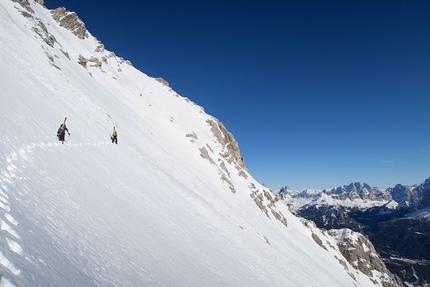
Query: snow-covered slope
[422, 213]
[170, 205]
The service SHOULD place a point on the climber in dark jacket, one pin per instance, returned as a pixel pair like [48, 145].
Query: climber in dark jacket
[61, 133]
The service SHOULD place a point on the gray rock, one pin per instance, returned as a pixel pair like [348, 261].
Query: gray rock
[70, 21]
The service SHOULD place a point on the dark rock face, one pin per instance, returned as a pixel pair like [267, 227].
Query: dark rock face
[330, 217]
[405, 246]
[408, 237]
[424, 189]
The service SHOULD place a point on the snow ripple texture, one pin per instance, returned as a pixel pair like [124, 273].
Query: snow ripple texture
[8, 224]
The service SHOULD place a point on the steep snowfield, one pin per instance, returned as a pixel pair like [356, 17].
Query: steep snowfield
[150, 211]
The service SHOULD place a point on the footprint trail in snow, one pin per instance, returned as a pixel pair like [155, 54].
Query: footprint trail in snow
[9, 236]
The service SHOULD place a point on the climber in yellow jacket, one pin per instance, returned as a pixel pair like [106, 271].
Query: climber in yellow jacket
[114, 136]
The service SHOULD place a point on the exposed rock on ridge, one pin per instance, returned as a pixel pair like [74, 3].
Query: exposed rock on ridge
[39, 28]
[227, 140]
[356, 251]
[361, 254]
[70, 21]
[25, 4]
[162, 81]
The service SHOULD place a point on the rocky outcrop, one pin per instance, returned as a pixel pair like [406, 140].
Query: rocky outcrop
[25, 4]
[41, 30]
[70, 21]
[267, 203]
[162, 81]
[227, 140]
[361, 254]
[39, 27]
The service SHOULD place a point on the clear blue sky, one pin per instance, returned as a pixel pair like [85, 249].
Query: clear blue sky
[317, 93]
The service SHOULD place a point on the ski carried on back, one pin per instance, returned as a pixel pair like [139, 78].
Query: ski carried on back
[61, 133]
[64, 123]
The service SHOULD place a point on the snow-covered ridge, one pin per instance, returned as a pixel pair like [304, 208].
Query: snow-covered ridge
[358, 195]
[353, 195]
[171, 205]
[422, 213]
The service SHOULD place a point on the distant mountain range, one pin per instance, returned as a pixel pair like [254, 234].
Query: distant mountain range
[360, 196]
[396, 220]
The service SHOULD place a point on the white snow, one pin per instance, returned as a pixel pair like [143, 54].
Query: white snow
[149, 211]
[392, 204]
[423, 213]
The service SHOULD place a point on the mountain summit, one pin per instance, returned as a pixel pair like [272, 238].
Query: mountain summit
[172, 204]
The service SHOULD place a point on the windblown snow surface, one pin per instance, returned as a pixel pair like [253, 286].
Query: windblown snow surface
[150, 211]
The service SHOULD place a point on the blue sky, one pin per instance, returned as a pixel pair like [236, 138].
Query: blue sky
[317, 93]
